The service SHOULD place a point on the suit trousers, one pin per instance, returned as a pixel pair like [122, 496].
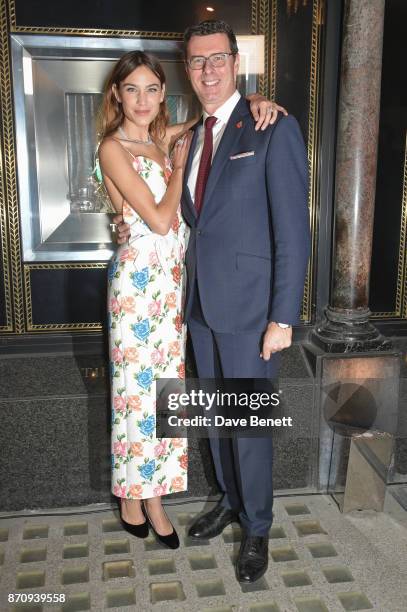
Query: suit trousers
[243, 466]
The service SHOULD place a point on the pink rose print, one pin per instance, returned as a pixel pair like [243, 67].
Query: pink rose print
[131, 355]
[181, 370]
[153, 259]
[160, 490]
[154, 308]
[119, 403]
[134, 402]
[119, 491]
[174, 348]
[177, 484]
[135, 491]
[115, 306]
[117, 355]
[176, 274]
[183, 461]
[138, 164]
[129, 254]
[136, 449]
[120, 448]
[160, 448]
[171, 300]
[157, 357]
[128, 304]
[176, 442]
[178, 322]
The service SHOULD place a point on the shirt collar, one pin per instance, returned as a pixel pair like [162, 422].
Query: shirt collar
[223, 112]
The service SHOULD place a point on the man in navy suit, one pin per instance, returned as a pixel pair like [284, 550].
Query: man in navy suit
[245, 200]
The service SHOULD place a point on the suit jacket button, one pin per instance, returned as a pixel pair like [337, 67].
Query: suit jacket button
[199, 232]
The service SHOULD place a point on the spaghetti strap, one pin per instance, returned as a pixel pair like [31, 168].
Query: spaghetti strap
[125, 148]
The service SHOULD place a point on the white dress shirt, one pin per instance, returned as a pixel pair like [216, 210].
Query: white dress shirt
[223, 115]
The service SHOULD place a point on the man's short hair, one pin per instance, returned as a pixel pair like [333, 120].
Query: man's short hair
[211, 26]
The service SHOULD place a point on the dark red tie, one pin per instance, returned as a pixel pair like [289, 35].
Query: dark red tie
[205, 163]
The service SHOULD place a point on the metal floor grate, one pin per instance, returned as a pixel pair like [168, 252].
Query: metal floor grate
[319, 562]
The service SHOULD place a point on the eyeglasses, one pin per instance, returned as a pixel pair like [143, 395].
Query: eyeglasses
[216, 60]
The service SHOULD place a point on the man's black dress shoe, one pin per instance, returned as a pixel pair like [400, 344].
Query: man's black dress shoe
[212, 523]
[252, 560]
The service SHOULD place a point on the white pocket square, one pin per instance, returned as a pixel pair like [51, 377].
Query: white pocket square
[240, 155]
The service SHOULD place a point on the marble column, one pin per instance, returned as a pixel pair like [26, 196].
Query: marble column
[346, 326]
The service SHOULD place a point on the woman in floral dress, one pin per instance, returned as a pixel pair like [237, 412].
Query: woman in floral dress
[147, 337]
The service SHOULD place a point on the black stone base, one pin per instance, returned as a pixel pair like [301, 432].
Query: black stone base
[55, 433]
[357, 392]
[348, 331]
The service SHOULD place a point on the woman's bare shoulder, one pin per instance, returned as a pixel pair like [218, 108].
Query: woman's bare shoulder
[111, 150]
[109, 143]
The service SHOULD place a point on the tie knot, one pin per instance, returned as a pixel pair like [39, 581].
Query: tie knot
[210, 122]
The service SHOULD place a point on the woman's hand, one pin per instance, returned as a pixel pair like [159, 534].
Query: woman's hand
[180, 151]
[264, 111]
[122, 230]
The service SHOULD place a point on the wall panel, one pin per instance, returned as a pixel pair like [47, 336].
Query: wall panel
[65, 297]
[36, 298]
[388, 292]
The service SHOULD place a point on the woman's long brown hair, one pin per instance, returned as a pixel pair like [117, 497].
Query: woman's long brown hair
[112, 115]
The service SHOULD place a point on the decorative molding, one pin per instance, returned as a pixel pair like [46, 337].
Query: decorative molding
[261, 25]
[9, 203]
[101, 33]
[8, 327]
[401, 302]
[67, 266]
[384, 315]
[313, 152]
[273, 49]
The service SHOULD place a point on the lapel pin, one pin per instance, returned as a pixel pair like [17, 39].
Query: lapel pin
[239, 124]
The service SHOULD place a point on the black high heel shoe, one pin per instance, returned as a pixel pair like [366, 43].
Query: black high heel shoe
[171, 540]
[139, 531]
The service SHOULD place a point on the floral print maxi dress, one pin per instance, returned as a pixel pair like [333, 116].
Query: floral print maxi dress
[147, 341]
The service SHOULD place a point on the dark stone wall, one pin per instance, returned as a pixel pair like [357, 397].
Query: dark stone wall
[55, 434]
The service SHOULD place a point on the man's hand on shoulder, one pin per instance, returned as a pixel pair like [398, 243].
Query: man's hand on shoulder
[122, 229]
[275, 339]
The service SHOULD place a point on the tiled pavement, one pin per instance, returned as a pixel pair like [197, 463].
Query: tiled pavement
[320, 560]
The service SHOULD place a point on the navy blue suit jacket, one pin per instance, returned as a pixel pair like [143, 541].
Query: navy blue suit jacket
[249, 247]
